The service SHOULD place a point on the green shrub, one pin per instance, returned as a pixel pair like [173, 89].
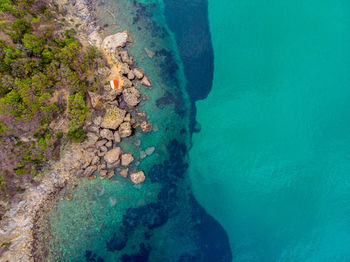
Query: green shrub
[20, 27]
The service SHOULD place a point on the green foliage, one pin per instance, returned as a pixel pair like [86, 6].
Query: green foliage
[21, 170]
[76, 134]
[20, 27]
[3, 128]
[6, 5]
[77, 109]
[34, 43]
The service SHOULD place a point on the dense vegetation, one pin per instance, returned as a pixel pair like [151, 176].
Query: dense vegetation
[44, 76]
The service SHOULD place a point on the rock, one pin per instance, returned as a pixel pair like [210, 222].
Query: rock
[138, 72]
[113, 155]
[95, 160]
[103, 173]
[95, 99]
[97, 121]
[90, 140]
[106, 133]
[117, 137]
[95, 39]
[113, 118]
[131, 96]
[124, 172]
[90, 170]
[125, 130]
[69, 197]
[138, 177]
[101, 153]
[143, 155]
[146, 82]
[146, 97]
[112, 42]
[141, 114]
[91, 177]
[137, 142]
[125, 82]
[149, 53]
[100, 143]
[110, 174]
[125, 57]
[94, 129]
[113, 165]
[145, 126]
[124, 69]
[110, 95]
[127, 158]
[127, 118]
[109, 143]
[103, 149]
[149, 151]
[131, 75]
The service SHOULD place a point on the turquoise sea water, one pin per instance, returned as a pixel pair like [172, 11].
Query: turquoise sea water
[272, 160]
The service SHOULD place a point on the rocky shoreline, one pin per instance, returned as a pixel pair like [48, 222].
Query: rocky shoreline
[114, 117]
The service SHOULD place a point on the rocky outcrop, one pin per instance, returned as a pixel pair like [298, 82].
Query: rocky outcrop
[113, 118]
[112, 156]
[138, 177]
[131, 96]
[138, 72]
[112, 42]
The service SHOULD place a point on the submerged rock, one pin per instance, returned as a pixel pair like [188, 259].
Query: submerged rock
[113, 118]
[113, 155]
[138, 177]
[145, 126]
[124, 172]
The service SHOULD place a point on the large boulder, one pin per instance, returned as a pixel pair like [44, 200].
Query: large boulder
[113, 155]
[106, 133]
[131, 96]
[138, 177]
[113, 118]
[117, 137]
[125, 129]
[124, 172]
[95, 99]
[138, 72]
[90, 140]
[127, 158]
[146, 82]
[112, 42]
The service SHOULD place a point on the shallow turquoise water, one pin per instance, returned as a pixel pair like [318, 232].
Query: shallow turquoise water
[271, 162]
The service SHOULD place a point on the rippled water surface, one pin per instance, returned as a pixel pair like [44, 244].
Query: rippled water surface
[272, 160]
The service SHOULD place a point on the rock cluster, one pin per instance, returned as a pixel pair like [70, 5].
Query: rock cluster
[116, 116]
